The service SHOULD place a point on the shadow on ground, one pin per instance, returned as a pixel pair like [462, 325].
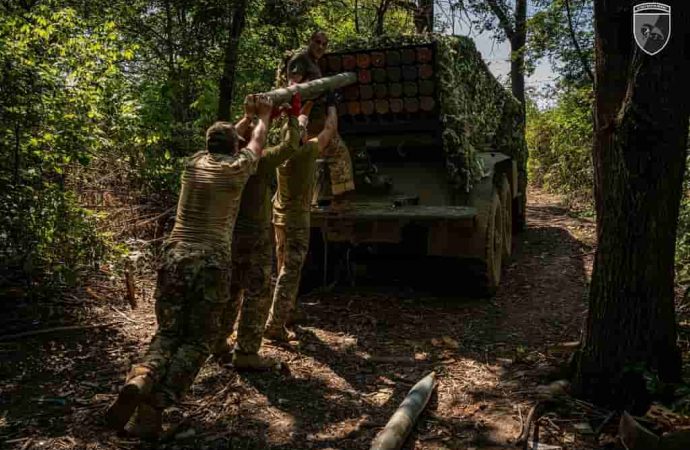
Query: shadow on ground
[489, 355]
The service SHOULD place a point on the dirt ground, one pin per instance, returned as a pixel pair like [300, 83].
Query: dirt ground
[490, 356]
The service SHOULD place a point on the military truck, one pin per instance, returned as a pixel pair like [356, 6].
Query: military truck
[439, 156]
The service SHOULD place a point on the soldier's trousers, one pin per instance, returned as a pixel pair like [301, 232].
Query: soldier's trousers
[191, 295]
[339, 166]
[292, 244]
[252, 261]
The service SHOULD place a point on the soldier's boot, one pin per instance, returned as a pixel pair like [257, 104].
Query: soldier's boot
[279, 334]
[146, 423]
[130, 397]
[253, 361]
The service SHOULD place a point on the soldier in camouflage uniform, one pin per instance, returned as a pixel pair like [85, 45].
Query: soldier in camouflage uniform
[291, 210]
[194, 278]
[304, 67]
[252, 252]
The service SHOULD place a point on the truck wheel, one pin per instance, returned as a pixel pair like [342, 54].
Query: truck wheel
[490, 273]
[507, 206]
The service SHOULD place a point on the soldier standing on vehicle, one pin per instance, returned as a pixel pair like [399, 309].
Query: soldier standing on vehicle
[252, 251]
[194, 277]
[291, 211]
[304, 67]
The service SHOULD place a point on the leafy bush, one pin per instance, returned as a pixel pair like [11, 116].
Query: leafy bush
[55, 72]
[560, 146]
[683, 235]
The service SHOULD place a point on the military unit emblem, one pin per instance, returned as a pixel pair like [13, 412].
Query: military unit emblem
[652, 26]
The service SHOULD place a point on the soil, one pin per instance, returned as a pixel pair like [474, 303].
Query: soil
[490, 355]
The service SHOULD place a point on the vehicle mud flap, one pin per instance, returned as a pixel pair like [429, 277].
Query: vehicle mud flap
[312, 270]
[333, 256]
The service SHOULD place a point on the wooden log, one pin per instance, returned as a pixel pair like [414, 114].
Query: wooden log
[367, 107]
[379, 75]
[400, 424]
[411, 105]
[366, 92]
[364, 76]
[396, 105]
[410, 89]
[363, 60]
[380, 91]
[408, 56]
[353, 108]
[334, 63]
[378, 59]
[426, 71]
[349, 62]
[409, 73]
[351, 92]
[394, 74]
[312, 89]
[427, 87]
[395, 89]
[424, 54]
[426, 103]
[381, 106]
[393, 58]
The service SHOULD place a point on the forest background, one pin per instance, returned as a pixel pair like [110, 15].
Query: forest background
[100, 102]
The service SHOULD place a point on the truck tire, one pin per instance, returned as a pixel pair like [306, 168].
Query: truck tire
[490, 270]
[507, 206]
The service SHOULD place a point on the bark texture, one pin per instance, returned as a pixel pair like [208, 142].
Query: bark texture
[227, 80]
[641, 131]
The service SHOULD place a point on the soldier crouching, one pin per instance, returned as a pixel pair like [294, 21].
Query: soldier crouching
[193, 283]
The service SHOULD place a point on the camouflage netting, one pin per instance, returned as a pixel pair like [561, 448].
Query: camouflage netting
[477, 113]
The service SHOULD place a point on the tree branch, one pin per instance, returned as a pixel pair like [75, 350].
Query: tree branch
[503, 18]
[578, 49]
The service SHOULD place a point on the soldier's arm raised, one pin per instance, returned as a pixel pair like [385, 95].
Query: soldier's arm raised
[263, 112]
[244, 125]
[330, 128]
[276, 155]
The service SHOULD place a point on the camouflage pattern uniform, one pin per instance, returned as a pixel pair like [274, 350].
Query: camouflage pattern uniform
[193, 283]
[291, 208]
[337, 154]
[252, 249]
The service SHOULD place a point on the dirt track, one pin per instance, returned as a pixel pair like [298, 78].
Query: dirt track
[489, 355]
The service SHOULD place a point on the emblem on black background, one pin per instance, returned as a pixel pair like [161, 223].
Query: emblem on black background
[652, 26]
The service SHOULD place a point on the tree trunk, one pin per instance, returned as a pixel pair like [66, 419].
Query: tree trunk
[517, 57]
[424, 16]
[227, 80]
[380, 17]
[641, 130]
[357, 16]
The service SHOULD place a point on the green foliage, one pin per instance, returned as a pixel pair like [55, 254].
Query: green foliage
[57, 72]
[560, 146]
[683, 234]
[550, 36]
[113, 95]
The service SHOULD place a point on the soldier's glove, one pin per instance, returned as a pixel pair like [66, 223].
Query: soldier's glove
[333, 98]
[295, 105]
